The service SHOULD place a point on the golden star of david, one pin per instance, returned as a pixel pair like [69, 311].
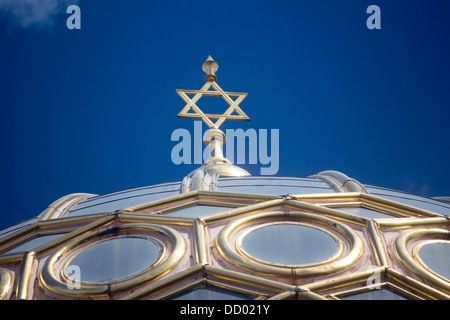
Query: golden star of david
[217, 92]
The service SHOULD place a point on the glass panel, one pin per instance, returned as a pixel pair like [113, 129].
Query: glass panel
[115, 259]
[274, 189]
[34, 243]
[274, 185]
[436, 256]
[157, 188]
[410, 199]
[364, 212]
[118, 202]
[210, 292]
[17, 227]
[380, 294]
[198, 211]
[289, 244]
[125, 198]
[270, 181]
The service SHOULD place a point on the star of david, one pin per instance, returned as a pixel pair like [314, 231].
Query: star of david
[218, 92]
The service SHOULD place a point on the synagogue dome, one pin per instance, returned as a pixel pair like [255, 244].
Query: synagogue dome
[220, 233]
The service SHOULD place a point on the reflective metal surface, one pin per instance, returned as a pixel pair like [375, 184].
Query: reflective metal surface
[6, 282]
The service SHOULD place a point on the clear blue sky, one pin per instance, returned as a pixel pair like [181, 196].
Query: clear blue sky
[93, 110]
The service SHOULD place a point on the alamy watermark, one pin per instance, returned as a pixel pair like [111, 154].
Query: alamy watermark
[74, 20]
[74, 277]
[191, 150]
[374, 20]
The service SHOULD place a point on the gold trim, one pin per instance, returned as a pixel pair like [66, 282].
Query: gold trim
[29, 231]
[243, 282]
[52, 282]
[370, 206]
[390, 275]
[201, 246]
[182, 289]
[297, 294]
[377, 243]
[323, 203]
[349, 258]
[234, 288]
[401, 249]
[71, 221]
[244, 210]
[286, 295]
[205, 196]
[308, 295]
[378, 286]
[415, 285]
[16, 235]
[333, 213]
[372, 202]
[206, 281]
[140, 218]
[411, 222]
[246, 279]
[162, 254]
[198, 202]
[102, 220]
[6, 282]
[164, 283]
[344, 279]
[25, 276]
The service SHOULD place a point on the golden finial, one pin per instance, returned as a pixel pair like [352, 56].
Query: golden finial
[216, 165]
[210, 67]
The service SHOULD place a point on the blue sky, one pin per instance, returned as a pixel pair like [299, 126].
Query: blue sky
[93, 110]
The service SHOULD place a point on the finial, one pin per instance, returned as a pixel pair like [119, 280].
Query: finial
[210, 67]
[214, 138]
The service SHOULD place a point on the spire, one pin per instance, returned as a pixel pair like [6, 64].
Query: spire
[205, 177]
[210, 67]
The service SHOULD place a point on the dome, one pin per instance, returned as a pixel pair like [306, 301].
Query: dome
[325, 236]
[220, 233]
